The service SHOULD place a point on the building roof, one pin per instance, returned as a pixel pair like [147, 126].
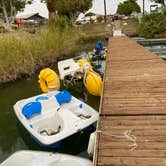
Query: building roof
[90, 14]
[26, 16]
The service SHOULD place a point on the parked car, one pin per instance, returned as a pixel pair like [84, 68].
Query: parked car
[116, 17]
[125, 17]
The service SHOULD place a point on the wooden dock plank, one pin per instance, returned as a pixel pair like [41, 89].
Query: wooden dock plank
[118, 48]
[124, 161]
[133, 100]
[135, 85]
[149, 132]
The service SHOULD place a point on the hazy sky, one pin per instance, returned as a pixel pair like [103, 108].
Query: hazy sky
[98, 7]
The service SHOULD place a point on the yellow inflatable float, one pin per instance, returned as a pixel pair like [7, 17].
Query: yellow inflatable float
[93, 83]
[84, 63]
[92, 80]
[48, 80]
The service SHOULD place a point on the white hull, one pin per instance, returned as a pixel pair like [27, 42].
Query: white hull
[56, 122]
[36, 158]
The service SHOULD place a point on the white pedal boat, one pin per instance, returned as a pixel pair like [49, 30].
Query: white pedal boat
[37, 158]
[53, 116]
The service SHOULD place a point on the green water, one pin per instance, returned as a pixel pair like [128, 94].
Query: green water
[14, 137]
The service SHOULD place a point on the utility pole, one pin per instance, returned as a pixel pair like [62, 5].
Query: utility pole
[143, 7]
[105, 11]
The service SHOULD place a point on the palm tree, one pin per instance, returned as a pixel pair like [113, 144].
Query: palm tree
[51, 5]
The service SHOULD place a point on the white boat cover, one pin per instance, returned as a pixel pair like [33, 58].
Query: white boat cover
[37, 158]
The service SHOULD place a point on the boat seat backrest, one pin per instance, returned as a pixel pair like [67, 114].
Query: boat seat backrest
[31, 109]
[63, 97]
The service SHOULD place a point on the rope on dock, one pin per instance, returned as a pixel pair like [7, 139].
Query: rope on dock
[126, 135]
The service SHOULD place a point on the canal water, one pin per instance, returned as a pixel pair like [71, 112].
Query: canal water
[14, 137]
[157, 46]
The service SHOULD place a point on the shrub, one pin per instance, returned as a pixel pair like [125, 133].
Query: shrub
[99, 18]
[1, 26]
[60, 22]
[152, 25]
[164, 10]
[14, 26]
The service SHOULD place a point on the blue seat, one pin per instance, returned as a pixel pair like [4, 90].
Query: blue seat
[63, 97]
[31, 109]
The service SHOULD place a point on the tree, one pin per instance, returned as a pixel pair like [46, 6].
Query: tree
[51, 5]
[71, 8]
[9, 9]
[128, 6]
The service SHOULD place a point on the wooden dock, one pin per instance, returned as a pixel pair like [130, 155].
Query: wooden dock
[132, 125]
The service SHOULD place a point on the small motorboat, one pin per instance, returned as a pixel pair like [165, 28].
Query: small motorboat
[37, 158]
[53, 116]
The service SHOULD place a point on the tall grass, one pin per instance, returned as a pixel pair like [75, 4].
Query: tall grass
[22, 53]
